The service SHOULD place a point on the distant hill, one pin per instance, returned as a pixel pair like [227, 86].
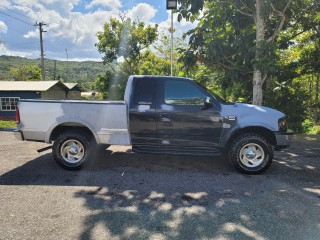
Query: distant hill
[84, 73]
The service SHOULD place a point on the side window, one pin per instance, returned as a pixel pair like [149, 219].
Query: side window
[182, 93]
[144, 91]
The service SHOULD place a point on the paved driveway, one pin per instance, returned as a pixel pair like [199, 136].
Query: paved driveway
[122, 195]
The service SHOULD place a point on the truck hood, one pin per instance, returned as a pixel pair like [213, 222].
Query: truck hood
[247, 114]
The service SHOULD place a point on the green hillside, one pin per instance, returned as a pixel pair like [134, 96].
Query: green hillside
[84, 73]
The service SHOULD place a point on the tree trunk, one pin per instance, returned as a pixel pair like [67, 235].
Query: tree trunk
[317, 99]
[317, 89]
[257, 87]
[310, 98]
[258, 77]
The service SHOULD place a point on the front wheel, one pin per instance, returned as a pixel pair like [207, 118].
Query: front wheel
[251, 153]
[72, 149]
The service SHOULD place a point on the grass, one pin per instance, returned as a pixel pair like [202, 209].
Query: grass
[8, 124]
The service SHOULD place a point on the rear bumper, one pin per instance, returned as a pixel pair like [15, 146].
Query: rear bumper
[19, 135]
[283, 139]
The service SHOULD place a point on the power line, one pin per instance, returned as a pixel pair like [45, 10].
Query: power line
[16, 18]
[61, 42]
[58, 39]
[42, 54]
[64, 44]
[19, 13]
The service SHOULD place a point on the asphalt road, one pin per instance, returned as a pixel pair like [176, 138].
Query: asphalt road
[123, 195]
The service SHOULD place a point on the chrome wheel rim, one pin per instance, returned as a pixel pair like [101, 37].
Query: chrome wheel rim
[251, 155]
[72, 151]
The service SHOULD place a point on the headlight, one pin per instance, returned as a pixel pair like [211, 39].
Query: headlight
[283, 125]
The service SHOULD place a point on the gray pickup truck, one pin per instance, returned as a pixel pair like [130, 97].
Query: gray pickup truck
[165, 115]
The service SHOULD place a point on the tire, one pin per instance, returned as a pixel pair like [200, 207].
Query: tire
[250, 153]
[72, 149]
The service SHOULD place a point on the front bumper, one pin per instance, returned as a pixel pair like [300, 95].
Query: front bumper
[19, 135]
[283, 139]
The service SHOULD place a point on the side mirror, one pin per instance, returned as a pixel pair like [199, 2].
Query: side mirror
[208, 102]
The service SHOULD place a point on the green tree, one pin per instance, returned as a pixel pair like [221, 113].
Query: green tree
[162, 51]
[154, 65]
[236, 36]
[124, 40]
[299, 55]
[26, 73]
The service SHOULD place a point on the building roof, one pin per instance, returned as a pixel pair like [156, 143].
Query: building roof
[71, 86]
[28, 85]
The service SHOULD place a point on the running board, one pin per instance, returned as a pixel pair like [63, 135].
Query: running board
[44, 149]
[177, 150]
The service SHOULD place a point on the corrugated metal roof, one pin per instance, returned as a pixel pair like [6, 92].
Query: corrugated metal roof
[27, 86]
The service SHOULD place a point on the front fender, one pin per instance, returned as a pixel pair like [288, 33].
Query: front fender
[231, 133]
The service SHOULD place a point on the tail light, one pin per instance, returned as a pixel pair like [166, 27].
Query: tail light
[17, 116]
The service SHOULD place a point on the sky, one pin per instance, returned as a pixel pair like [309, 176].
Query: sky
[72, 25]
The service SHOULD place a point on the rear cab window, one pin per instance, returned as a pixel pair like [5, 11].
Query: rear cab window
[144, 91]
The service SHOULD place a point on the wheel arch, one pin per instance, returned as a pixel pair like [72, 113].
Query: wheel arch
[264, 132]
[61, 127]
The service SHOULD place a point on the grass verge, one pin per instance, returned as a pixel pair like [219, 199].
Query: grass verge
[8, 124]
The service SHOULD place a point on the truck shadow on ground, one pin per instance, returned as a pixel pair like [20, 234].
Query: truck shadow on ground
[299, 162]
[45, 171]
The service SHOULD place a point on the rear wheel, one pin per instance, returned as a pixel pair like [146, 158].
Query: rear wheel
[72, 149]
[251, 153]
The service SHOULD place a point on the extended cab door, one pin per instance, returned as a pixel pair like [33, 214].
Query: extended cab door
[142, 113]
[182, 117]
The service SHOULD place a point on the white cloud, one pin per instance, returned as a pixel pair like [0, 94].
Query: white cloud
[5, 51]
[4, 3]
[142, 11]
[79, 28]
[73, 2]
[3, 27]
[76, 31]
[34, 8]
[31, 34]
[105, 3]
[180, 27]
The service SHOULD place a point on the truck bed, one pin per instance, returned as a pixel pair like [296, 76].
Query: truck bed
[107, 119]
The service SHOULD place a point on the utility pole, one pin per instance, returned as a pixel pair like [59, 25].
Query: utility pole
[40, 25]
[171, 5]
[55, 70]
[171, 30]
[67, 63]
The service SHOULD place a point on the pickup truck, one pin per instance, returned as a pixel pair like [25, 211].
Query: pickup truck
[159, 115]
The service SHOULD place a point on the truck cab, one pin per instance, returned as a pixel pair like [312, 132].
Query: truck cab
[173, 115]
